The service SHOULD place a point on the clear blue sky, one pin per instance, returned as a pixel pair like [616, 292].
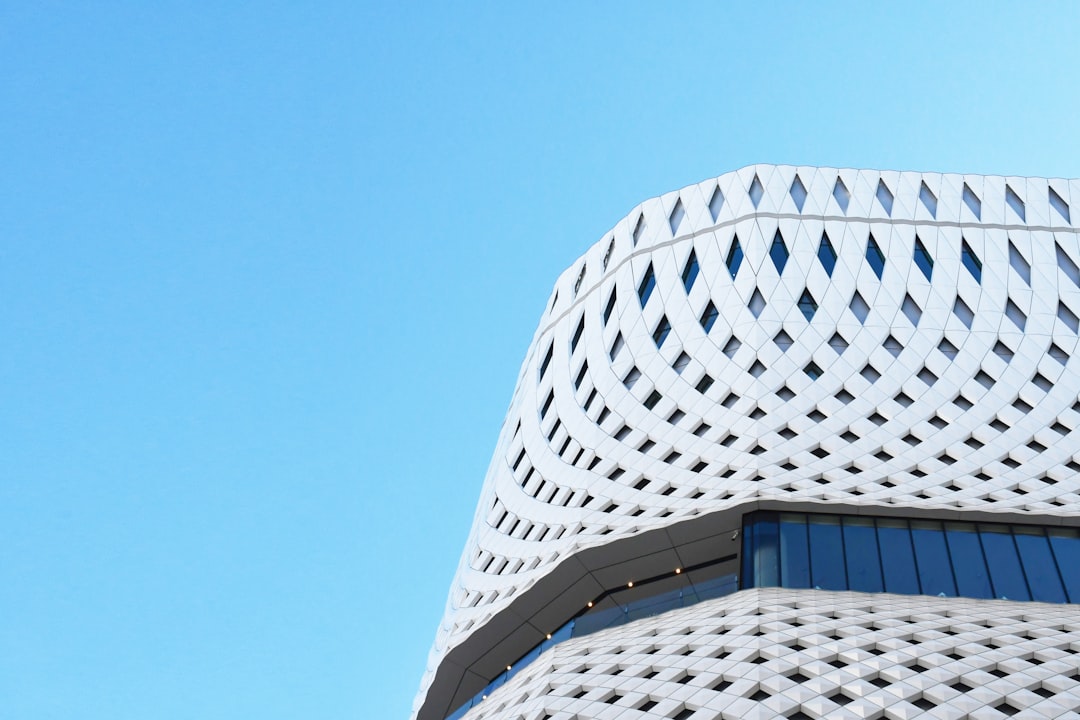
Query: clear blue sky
[268, 272]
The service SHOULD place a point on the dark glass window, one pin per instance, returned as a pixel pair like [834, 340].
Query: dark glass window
[808, 305]
[1039, 565]
[767, 550]
[932, 558]
[897, 556]
[794, 551]
[577, 334]
[648, 282]
[663, 328]
[779, 252]
[610, 306]
[1065, 543]
[826, 254]
[861, 550]
[734, 257]
[972, 579]
[709, 317]
[875, 257]
[826, 553]
[923, 259]
[690, 271]
[971, 261]
[1005, 571]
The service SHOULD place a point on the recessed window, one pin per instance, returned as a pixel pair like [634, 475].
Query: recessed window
[1067, 265]
[1020, 264]
[757, 303]
[654, 397]
[732, 346]
[798, 193]
[838, 343]
[580, 279]
[812, 371]
[639, 228]
[971, 261]
[676, 217]
[581, 374]
[645, 288]
[826, 254]
[885, 197]
[963, 312]
[783, 341]
[632, 377]
[757, 369]
[610, 307]
[1068, 317]
[948, 349]
[734, 257]
[1003, 351]
[616, 346]
[841, 195]
[923, 259]
[859, 308]
[577, 334]
[893, 346]
[911, 310]
[547, 360]
[1015, 203]
[778, 252]
[663, 328]
[875, 257]
[716, 202]
[1014, 313]
[704, 384]
[756, 191]
[928, 199]
[681, 362]
[1060, 205]
[690, 271]
[973, 203]
[709, 317]
[807, 305]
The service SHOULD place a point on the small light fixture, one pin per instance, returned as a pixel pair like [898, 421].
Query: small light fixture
[590, 603]
[678, 571]
[549, 636]
[630, 584]
[507, 668]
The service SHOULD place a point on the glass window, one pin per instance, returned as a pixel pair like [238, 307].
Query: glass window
[648, 282]
[826, 254]
[779, 252]
[875, 257]
[1005, 571]
[690, 271]
[923, 259]
[1039, 566]
[748, 539]
[897, 556]
[734, 257]
[767, 550]
[932, 558]
[808, 305]
[794, 552]
[969, 564]
[1065, 543]
[826, 553]
[971, 261]
[861, 555]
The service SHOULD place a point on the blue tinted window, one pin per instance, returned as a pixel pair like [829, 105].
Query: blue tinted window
[923, 259]
[779, 252]
[861, 554]
[794, 552]
[826, 553]
[897, 557]
[749, 537]
[826, 254]
[1065, 543]
[932, 558]
[971, 261]
[808, 305]
[734, 257]
[767, 550]
[648, 282]
[969, 565]
[1039, 566]
[690, 271]
[1005, 571]
[875, 257]
[709, 317]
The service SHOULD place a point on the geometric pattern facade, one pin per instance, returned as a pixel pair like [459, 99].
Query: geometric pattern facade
[887, 341]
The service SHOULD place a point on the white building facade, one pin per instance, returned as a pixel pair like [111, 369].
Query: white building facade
[790, 443]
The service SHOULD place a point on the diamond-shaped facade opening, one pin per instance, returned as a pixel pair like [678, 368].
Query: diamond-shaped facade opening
[884, 196]
[1067, 265]
[972, 201]
[663, 328]
[971, 261]
[841, 195]
[676, 217]
[807, 305]
[929, 200]
[639, 228]
[778, 252]
[875, 257]
[690, 270]
[716, 203]
[610, 250]
[859, 307]
[645, 287]
[757, 303]
[1015, 203]
[923, 259]
[1059, 205]
[756, 191]
[708, 317]
[798, 193]
[1019, 263]
[734, 257]
[826, 254]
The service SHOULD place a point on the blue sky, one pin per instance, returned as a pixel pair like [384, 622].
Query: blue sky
[268, 272]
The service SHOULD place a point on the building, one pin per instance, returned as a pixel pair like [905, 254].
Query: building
[793, 442]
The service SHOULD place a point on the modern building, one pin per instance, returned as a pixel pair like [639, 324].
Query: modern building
[793, 442]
